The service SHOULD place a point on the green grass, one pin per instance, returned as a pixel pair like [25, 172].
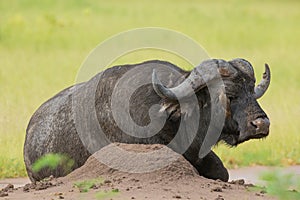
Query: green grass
[43, 43]
[86, 185]
[284, 186]
[52, 161]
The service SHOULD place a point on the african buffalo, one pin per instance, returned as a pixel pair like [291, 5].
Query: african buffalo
[52, 128]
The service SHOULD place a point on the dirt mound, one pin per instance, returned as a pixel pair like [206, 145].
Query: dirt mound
[143, 161]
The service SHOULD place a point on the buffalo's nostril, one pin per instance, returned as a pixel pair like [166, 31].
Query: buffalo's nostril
[253, 124]
[261, 125]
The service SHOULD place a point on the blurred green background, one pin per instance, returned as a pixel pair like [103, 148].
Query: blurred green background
[43, 43]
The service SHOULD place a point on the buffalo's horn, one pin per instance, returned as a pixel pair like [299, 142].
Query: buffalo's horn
[185, 89]
[262, 87]
[199, 76]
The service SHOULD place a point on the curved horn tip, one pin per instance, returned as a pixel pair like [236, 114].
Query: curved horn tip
[267, 72]
[262, 87]
[267, 66]
[155, 79]
[159, 88]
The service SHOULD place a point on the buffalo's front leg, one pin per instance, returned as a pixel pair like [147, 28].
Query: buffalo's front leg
[211, 167]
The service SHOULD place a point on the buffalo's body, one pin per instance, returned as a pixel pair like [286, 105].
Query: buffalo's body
[52, 128]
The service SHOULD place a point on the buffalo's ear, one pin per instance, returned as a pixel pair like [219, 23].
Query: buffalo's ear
[226, 69]
[172, 109]
[176, 111]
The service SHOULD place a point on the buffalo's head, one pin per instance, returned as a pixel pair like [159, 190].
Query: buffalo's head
[245, 119]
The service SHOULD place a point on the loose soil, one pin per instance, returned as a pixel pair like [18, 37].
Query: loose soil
[176, 180]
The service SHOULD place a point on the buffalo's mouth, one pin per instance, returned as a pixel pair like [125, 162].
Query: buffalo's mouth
[256, 129]
[235, 139]
[258, 136]
[255, 136]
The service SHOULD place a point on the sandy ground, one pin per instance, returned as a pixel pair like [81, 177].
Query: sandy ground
[249, 174]
[177, 180]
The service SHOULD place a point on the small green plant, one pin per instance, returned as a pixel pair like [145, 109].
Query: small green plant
[85, 186]
[105, 194]
[53, 161]
[284, 186]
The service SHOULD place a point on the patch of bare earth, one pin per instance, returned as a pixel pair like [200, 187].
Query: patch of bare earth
[174, 180]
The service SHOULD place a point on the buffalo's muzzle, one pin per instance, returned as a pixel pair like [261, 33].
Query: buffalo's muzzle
[261, 126]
